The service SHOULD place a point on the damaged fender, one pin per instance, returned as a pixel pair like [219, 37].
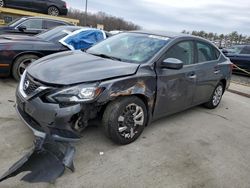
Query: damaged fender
[142, 84]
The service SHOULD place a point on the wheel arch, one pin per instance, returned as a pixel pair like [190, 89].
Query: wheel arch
[40, 55]
[142, 97]
[224, 82]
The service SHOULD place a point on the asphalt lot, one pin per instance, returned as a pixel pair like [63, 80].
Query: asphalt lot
[194, 148]
[245, 80]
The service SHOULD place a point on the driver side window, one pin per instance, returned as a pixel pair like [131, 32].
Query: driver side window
[33, 24]
[183, 51]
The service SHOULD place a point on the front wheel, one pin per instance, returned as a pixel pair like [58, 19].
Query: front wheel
[124, 119]
[216, 97]
[21, 63]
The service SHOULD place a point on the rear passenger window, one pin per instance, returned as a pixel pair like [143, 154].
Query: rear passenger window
[206, 52]
[52, 24]
[183, 51]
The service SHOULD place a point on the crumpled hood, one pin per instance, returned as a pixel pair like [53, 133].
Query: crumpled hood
[72, 67]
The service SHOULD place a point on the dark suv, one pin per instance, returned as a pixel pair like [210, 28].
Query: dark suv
[51, 7]
[31, 25]
[126, 81]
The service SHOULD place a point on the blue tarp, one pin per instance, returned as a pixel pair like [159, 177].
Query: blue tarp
[83, 38]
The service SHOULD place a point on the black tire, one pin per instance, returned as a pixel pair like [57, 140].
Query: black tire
[18, 65]
[53, 11]
[211, 104]
[119, 108]
[2, 3]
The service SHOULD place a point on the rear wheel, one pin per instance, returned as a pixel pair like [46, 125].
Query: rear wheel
[53, 11]
[1, 3]
[124, 119]
[216, 97]
[21, 63]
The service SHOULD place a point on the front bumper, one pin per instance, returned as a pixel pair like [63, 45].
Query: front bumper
[48, 119]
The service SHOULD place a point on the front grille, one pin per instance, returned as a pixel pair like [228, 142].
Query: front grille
[29, 85]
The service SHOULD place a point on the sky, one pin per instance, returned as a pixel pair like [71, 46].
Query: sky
[220, 16]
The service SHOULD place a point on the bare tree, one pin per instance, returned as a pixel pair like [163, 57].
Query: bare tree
[108, 21]
[222, 40]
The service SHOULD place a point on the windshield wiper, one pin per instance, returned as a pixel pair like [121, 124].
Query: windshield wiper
[107, 56]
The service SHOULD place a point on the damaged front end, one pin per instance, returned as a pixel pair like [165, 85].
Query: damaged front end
[55, 127]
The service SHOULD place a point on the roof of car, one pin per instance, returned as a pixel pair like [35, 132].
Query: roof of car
[39, 17]
[70, 27]
[162, 33]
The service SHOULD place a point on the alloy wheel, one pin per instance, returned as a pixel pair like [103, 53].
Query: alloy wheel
[129, 121]
[53, 11]
[217, 95]
[1, 3]
[23, 65]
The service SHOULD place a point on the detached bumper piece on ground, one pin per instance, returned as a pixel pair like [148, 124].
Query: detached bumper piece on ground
[45, 162]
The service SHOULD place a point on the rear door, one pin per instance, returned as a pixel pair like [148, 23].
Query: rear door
[208, 71]
[39, 5]
[175, 88]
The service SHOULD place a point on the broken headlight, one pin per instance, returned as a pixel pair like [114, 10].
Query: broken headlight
[75, 94]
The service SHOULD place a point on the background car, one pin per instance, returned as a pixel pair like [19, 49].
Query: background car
[240, 56]
[51, 7]
[31, 25]
[18, 51]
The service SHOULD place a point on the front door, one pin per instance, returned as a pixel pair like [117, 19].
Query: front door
[23, 4]
[175, 88]
[33, 26]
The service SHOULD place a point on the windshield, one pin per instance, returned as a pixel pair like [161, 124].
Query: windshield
[130, 47]
[57, 33]
[16, 22]
[235, 49]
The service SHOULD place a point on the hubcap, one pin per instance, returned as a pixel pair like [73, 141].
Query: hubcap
[53, 11]
[23, 65]
[1, 3]
[217, 95]
[130, 121]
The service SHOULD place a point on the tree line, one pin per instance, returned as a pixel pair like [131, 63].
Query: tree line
[108, 21]
[222, 40]
[116, 23]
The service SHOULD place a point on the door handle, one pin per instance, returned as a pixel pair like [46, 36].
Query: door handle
[216, 71]
[192, 75]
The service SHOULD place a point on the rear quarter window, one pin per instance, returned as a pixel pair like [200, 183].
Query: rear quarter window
[206, 52]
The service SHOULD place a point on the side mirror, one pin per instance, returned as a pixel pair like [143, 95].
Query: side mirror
[21, 28]
[172, 63]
